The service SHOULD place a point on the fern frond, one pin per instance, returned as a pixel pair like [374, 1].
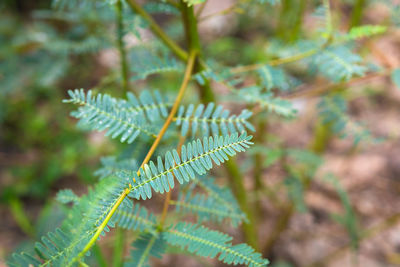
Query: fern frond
[217, 118]
[205, 208]
[159, 7]
[89, 44]
[110, 166]
[60, 248]
[196, 156]
[136, 218]
[146, 245]
[148, 63]
[333, 109]
[362, 31]
[222, 195]
[295, 191]
[66, 196]
[209, 243]
[99, 113]
[153, 107]
[193, 2]
[267, 101]
[272, 77]
[338, 63]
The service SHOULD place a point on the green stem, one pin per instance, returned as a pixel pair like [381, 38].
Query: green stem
[178, 51]
[98, 255]
[357, 13]
[20, 216]
[119, 247]
[322, 135]
[182, 89]
[193, 42]
[236, 181]
[121, 47]
[258, 163]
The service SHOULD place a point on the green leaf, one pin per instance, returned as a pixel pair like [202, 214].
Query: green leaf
[204, 242]
[146, 245]
[214, 119]
[206, 208]
[66, 196]
[196, 157]
[193, 2]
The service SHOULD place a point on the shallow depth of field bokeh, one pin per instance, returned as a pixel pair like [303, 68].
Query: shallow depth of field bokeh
[324, 184]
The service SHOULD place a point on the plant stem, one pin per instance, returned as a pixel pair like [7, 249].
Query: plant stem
[258, 162]
[193, 42]
[20, 217]
[98, 255]
[100, 229]
[174, 109]
[275, 62]
[178, 51]
[206, 95]
[168, 197]
[118, 253]
[357, 13]
[236, 181]
[185, 82]
[121, 47]
[318, 90]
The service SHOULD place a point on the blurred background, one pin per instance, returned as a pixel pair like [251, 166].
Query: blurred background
[349, 212]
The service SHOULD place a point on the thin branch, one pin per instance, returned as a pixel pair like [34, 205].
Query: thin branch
[121, 47]
[168, 197]
[179, 52]
[185, 82]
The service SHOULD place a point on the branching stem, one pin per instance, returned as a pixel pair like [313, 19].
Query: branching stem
[185, 82]
[121, 47]
[178, 51]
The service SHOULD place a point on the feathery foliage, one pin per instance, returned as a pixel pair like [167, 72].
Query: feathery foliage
[196, 157]
[222, 195]
[136, 218]
[209, 243]
[60, 248]
[338, 63]
[333, 110]
[267, 101]
[205, 208]
[146, 245]
[100, 113]
[215, 117]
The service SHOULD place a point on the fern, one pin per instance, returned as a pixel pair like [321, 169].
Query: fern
[148, 63]
[222, 195]
[193, 2]
[67, 196]
[217, 119]
[111, 166]
[59, 248]
[338, 63]
[267, 101]
[136, 218]
[274, 78]
[362, 31]
[196, 156]
[334, 110]
[146, 245]
[205, 208]
[99, 113]
[208, 243]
